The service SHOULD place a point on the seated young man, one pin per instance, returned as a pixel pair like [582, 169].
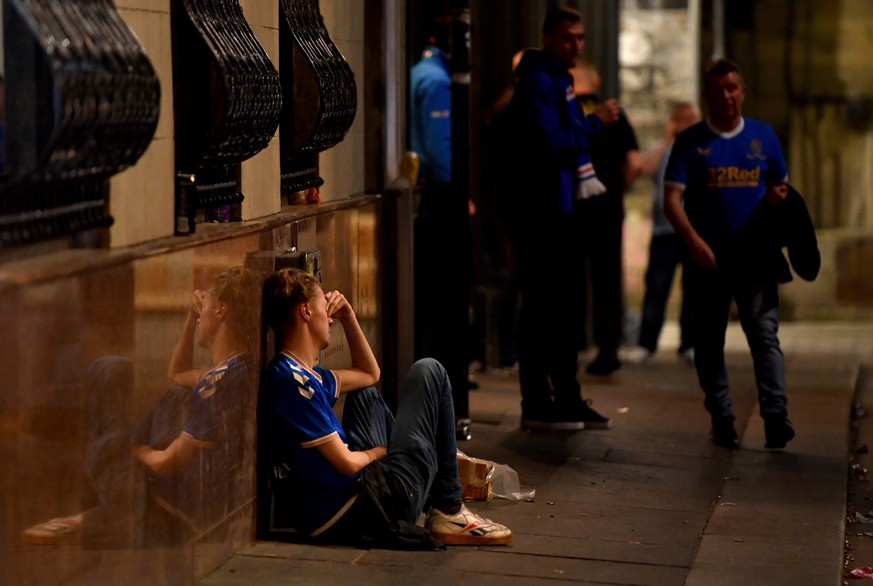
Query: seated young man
[368, 479]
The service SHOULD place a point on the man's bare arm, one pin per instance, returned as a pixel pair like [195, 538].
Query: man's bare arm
[700, 251]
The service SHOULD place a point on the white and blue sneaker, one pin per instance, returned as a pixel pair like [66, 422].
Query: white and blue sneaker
[466, 528]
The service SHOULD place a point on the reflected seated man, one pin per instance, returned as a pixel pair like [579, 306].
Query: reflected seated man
[147, 484]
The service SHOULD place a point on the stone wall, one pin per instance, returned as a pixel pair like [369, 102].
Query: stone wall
[810, 69]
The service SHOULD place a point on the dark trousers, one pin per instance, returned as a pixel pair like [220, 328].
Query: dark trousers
[442, 285]
[422, 450]
[125, 513]
[666, 251]
[598, 225]
[757, 301]
[549, 311]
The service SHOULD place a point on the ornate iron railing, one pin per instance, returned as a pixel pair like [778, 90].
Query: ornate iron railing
[316, 116]
[82, 103]
[227, 105]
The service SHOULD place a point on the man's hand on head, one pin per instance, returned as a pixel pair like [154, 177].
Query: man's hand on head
[338, 307]
[197, 303]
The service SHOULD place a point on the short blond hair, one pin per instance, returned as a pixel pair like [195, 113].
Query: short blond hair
[284, 290]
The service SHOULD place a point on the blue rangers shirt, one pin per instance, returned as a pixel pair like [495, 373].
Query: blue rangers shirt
[724, 175]
[298, 404]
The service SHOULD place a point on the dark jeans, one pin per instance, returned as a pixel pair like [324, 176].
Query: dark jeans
[665, 253]
[116, 501]
[757, 301]
[126, 515]
[422, 451]
[548, 280]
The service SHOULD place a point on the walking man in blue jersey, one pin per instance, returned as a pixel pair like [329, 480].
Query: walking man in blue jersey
[722, 169]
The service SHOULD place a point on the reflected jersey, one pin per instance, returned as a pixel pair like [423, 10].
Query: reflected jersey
[298, 410]
[219, 413]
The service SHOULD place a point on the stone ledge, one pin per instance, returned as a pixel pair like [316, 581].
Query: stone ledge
[67, 263]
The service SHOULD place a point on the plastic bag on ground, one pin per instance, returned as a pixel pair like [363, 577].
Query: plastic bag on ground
[484, 479]
[505, 485]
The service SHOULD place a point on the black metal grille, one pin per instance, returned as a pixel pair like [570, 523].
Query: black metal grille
[82, 103]
[335, 89]
[228, 102]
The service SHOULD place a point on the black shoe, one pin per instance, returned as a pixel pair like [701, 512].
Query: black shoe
[551, 419]
[723, 432]
[778, 431]
[603, 366]
[583, 412]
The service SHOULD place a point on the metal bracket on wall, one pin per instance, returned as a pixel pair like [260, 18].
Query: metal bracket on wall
[307, 260]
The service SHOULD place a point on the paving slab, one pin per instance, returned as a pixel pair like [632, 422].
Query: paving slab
[600, 548]
[781, 516]
[765, 560]
[612, 523]
[575, 569]
[249, 571]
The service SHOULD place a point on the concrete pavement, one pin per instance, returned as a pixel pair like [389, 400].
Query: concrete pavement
[650, 501]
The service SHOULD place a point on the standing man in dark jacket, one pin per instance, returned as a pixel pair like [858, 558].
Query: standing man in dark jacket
[552, 136]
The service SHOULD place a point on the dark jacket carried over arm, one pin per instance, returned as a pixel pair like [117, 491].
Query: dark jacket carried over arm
[774, 227]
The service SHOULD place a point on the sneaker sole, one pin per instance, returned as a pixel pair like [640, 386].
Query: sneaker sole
[552, 425]
[778, 445]
[449, 539]
[725, 443]
[53, 532]
[598, 424]
[781, 442]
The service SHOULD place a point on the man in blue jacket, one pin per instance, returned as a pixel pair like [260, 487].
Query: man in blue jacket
[552, 136]
[431, 114]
